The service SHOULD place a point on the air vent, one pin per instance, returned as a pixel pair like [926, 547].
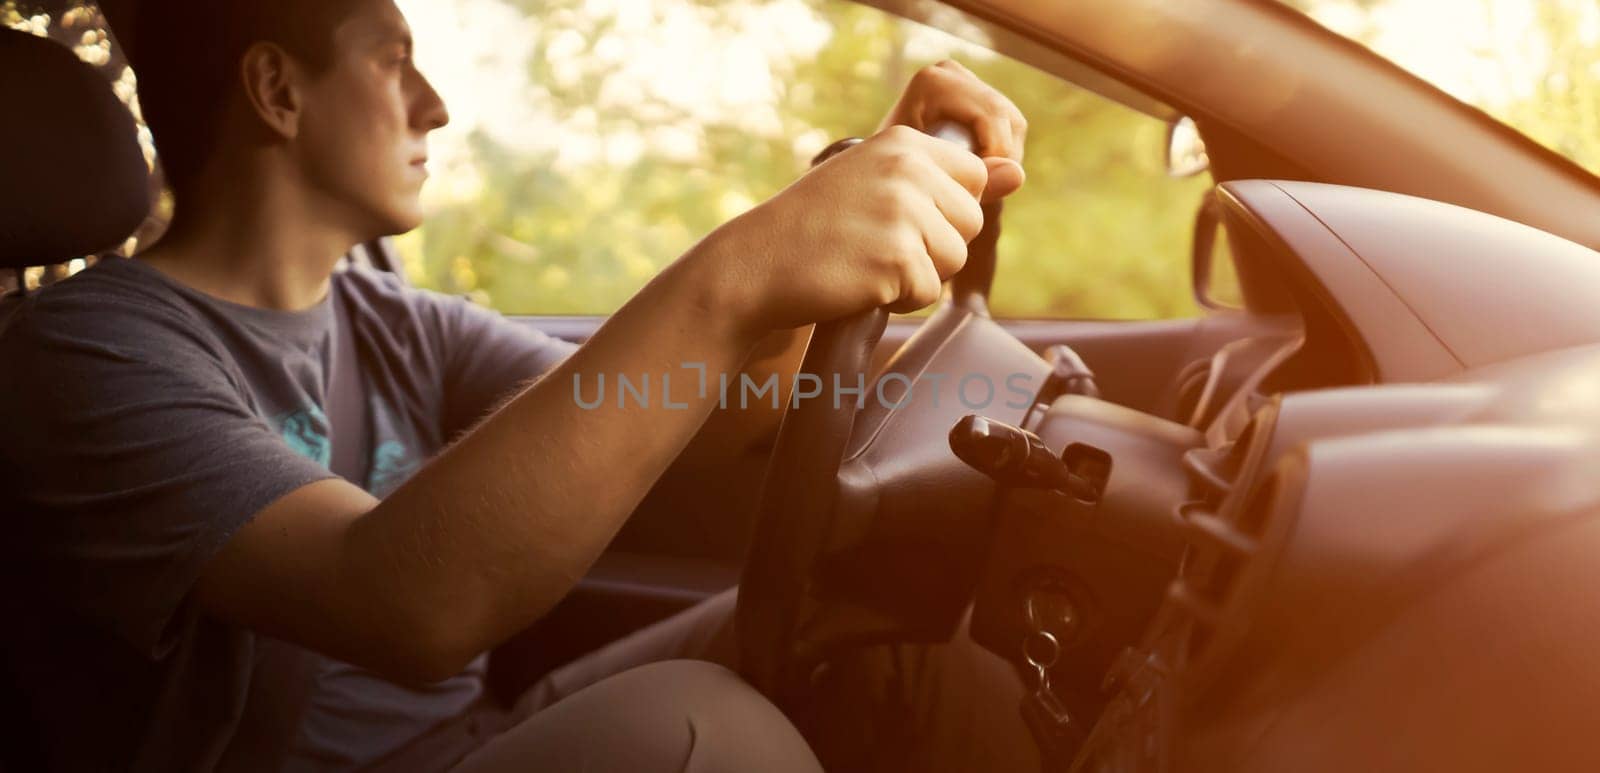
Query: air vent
[1223, 537]
[1221, 550]
[1213, 472]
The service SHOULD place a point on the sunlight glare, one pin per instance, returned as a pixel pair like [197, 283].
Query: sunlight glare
[1483, 52]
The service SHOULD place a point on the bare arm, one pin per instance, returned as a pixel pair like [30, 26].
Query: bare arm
[495, 530]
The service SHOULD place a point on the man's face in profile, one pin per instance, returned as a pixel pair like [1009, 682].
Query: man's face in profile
[365, 121]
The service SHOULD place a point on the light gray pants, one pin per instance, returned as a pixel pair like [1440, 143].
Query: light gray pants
[637, 705]
[676, 715]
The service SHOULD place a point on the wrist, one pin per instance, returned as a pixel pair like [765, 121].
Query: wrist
[712, 279]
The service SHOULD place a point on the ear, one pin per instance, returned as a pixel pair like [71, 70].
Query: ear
[271, 80]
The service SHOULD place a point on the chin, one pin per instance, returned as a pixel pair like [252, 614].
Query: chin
[397, 220]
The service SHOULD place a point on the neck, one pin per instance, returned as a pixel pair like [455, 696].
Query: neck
[266, 243]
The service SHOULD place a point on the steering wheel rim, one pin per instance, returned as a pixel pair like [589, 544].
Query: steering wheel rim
[796, 497]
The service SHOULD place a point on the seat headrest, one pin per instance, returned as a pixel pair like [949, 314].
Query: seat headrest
[73, 181]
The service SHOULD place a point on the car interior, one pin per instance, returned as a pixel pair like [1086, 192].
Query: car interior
[1298, 533]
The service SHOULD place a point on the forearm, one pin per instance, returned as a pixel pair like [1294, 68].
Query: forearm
[735, 432]
[496, 529]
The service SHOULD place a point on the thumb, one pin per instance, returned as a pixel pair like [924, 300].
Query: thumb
[1005, 177]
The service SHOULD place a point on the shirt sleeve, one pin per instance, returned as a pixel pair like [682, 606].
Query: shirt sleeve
[487, 357]
[131, 457]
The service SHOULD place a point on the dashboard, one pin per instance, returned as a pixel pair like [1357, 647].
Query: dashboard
[1333, 563]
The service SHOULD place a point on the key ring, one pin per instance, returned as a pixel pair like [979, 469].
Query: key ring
[1042, 650]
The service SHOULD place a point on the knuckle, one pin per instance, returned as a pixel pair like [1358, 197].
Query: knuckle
[973, 165]
[900, 199]
[970, 223]
[913, 250]
[893, 260]
[951, 259]
[899, 133]
[974, 217]
[905, 300]
[956, 265]
[910, 193]
[924, 293]
[906, 265]
[931, 73]
[885, 293]
[896, 163]
[973, 174]
[889, 205]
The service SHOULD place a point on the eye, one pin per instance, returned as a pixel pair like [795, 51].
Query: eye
[399, 56]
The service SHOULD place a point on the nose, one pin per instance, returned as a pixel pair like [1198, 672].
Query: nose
[427, 107]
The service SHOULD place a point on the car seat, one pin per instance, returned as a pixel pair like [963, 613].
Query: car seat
[75, 182]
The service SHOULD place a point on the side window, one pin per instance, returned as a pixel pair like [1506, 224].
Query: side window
[592, 141]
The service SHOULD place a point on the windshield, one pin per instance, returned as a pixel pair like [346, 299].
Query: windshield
[1532, 64]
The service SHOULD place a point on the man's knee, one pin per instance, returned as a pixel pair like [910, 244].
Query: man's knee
[688, 680]
[715, 721]
[669, 716]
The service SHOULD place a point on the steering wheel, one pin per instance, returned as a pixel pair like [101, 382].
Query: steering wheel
[798, 497]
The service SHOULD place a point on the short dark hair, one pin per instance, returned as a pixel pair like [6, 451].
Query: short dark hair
[186, 54]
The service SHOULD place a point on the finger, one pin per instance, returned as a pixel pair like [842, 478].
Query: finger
[946, 246]
[958, 208]
[953, 203]
[968, 170]
[1005, 177]
[920, 285]
[997, 130]
[1019, 131]
[995, 136]
[1016, 123]
[997, 124]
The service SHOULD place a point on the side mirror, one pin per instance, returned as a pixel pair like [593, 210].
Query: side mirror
[1186, 151]
[1216, 279]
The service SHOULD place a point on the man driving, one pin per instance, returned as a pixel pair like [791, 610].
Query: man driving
[270, 515]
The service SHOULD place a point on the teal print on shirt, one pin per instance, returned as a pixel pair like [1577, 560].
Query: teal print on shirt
[306, 433]
[391, 465]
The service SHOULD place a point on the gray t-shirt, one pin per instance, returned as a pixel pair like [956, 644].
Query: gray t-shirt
[141, 424]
